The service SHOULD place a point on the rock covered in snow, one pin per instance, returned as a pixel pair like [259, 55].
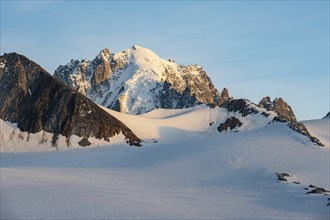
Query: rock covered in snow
[37, 101]
[279, 111]
[137, 80]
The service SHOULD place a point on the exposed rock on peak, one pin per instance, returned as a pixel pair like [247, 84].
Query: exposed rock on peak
[37, 101]
[266, 103]
[137, 80]
[279, 106]
[282, 113]
[283, 109]
[286, 115]
[225, 94]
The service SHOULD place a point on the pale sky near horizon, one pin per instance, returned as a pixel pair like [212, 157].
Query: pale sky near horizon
[253, 48]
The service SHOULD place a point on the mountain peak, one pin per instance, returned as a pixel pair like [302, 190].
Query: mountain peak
[37, 101]
[104, 54]
[137, 80]
[279, 106]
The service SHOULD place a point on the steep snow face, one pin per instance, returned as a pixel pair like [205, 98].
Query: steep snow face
[137, 80]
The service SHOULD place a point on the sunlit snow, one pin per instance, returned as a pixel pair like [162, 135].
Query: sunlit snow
[185, 170]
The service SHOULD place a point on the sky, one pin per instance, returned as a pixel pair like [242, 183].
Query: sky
[253, 48]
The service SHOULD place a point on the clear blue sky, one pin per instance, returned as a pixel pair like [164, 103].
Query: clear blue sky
[254, 48]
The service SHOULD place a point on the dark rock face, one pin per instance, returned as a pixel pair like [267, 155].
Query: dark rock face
[239, 105]
[37, 101]
[282, 176]
[318, 190]
[283, 109]
[230, 123]
[84, 142]
[327, 116]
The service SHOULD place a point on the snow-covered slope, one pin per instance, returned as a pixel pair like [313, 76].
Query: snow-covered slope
[136, 81]
[12, 139]
[231, 175]
[199, 121]
[320, 128]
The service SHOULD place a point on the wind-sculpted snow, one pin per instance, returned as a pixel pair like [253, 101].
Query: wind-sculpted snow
[137, 80]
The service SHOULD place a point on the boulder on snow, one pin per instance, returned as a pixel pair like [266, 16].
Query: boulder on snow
[282, 176]
[84, 142]
[318, 190]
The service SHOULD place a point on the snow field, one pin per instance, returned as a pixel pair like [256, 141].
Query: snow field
[193, 172]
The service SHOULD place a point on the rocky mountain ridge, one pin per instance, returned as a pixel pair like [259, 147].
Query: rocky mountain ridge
[276, 111]
[137, 80]
[36, 101]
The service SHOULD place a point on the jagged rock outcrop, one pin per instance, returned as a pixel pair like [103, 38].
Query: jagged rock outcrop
[136, 81]
[279, 106]
[327, 116]
[266, 103]
[37, 101]
[285, 114]
[240, 105]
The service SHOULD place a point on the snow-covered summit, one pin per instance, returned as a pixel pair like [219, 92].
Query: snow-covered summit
[137, 80]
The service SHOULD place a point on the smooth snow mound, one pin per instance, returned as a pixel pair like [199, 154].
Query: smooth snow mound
[171, 125]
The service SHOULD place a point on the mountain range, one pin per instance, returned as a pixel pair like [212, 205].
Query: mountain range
[65, 145]
[72, 103]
